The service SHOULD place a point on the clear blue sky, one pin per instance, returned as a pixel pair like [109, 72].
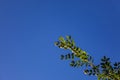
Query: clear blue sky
[28, 29]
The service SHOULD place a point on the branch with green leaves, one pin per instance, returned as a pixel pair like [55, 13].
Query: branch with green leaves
[105, 70]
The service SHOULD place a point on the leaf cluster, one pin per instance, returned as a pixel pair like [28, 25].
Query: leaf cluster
[105, 70]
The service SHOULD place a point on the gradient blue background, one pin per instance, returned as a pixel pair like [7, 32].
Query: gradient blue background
[29, 28]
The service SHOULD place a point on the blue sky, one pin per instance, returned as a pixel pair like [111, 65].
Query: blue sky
[29, 28]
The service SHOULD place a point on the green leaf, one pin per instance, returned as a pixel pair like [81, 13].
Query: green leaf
[61, 39]
[56, 43]
[72, 63]
[73, 43]
[62, 57]
[115, 64]
[72, 55]
[68, 37]
[68, 56]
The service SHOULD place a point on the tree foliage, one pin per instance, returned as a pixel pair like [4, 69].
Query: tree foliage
[105, 70]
